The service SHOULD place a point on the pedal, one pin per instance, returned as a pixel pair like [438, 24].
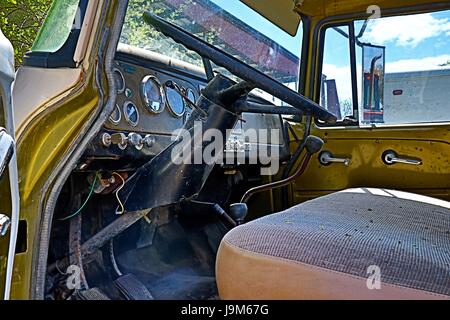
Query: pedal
[132, 288]
[91, 294]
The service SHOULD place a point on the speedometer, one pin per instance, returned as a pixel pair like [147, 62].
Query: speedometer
[152, 94]
[175, 102]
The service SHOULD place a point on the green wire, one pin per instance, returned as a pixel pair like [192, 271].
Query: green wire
[85, 202]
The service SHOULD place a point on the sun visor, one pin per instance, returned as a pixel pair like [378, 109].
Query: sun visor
[279, 12]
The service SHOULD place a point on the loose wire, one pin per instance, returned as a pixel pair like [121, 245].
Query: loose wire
[91, 191]
[122, 208]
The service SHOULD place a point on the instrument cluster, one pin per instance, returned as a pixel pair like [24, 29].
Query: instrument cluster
[140, 101]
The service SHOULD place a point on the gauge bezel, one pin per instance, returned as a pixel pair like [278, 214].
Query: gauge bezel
[188, 90]
[144, 97]
[125, 113]
[120, 90]
[172, 111]
[112, 120]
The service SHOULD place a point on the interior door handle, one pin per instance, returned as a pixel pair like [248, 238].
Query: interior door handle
[326, 158]
[390, 157]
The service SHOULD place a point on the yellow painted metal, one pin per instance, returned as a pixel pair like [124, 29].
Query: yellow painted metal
[365, 148]
[48, 136]
[40, 148]
[329, 8]
[281, 12]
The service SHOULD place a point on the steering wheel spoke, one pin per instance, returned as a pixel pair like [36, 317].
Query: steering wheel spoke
[248, 74]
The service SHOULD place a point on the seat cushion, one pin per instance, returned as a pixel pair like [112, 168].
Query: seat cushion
[332, 247]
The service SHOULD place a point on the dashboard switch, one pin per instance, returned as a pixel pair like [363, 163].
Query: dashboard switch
[136, 140]
[106, 140]
[149, 141]
[120, 139]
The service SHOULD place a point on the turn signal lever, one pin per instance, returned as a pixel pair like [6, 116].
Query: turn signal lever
[312, 145]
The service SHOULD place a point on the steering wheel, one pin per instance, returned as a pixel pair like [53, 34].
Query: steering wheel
[240, 69]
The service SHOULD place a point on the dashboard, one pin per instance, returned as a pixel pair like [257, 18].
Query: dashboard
[154, 98]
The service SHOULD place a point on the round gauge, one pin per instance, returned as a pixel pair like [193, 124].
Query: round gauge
[175, 102]
[191, 95]
[131, 113]
[152, 94]
[119, 80]
[116, 115]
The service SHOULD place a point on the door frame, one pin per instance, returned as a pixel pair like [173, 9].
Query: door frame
[7, 74]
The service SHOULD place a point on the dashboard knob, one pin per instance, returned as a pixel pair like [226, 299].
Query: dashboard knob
[136, 140]
[120, 139]
[106, 140]
[149, 141]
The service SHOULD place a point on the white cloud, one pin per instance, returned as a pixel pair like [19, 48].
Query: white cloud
[406, 30]
[343, 77]
[425, 64]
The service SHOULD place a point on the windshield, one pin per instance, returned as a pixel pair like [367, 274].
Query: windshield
[63, 17]
[227, 24]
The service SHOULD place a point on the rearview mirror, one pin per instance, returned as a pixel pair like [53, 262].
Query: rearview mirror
[373, 83]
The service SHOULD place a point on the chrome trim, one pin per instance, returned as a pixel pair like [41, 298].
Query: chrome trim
[144, 97]
[125, 113]
[189, 90]
[111, 119]
[5, 223]
[391, 157]
[6, 150]
[177, 115]
[120, 90]
[326, 158]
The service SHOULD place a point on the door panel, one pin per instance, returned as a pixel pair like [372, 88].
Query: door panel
[365, 148]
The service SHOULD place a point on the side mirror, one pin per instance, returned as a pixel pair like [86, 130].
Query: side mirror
[373, 83]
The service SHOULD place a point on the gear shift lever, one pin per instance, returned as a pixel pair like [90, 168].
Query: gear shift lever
[238, 211]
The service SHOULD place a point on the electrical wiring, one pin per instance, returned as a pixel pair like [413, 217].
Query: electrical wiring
[91, 191]
[122, 208]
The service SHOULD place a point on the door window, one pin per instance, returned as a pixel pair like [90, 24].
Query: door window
[402, 70]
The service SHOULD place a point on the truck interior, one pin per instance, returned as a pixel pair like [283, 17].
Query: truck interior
[360, 148]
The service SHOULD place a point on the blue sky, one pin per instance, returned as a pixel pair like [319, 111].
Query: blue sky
[422, 40]
[416, 38]
[413, 43]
